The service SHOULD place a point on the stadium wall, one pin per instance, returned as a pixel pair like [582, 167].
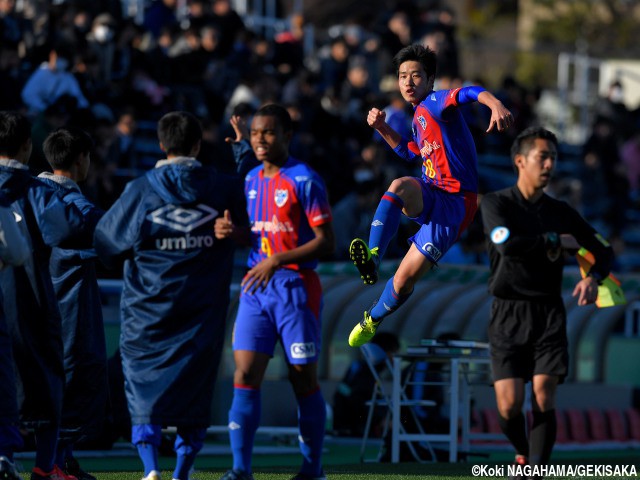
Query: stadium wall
[603, 368]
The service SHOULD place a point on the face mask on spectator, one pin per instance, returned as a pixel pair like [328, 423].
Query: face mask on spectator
[102, 33]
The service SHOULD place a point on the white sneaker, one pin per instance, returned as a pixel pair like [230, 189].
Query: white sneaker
[153, 475]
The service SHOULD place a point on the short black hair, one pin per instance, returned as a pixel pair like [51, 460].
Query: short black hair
[417, 53]
[179, 132]
[15, 131]
[63, 146]
[525, 140]
[280, 113]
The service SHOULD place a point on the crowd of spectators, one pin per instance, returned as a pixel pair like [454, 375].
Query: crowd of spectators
[94, 65]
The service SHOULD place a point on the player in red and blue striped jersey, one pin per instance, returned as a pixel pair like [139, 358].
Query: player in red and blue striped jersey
[443, 201]
[281, 294]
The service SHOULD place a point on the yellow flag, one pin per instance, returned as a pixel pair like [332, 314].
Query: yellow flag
[610, 292]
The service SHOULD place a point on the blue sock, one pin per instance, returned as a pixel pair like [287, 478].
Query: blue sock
[188, 443]
[388, 302]
[148, 453]
[244, 418]
[46, 442]
[385, 222]
[146, 437]
[312, 413]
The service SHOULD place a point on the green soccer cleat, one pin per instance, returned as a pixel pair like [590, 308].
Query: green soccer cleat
[363, 331]
[365, 260]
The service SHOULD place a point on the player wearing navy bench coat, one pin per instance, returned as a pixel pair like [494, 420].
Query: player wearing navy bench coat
[281, 295]
[75, 282]
[14, 250]
[443, 202]
[29, 300]
[526, 232]
[175, 296]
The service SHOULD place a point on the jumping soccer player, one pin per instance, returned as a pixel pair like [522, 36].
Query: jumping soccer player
[443, 201]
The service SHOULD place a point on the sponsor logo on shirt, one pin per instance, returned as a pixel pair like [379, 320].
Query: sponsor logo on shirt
[281, 197]
[428, 147]
[303, 350]
[273, 226]
[431, 249]
[184, 220]
[499, 235]
[422, 122]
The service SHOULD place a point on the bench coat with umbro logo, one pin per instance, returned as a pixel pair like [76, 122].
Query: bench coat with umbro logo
[176, 286]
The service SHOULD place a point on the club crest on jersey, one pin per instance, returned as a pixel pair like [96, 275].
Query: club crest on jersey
[423, 122]
[499, 235]
[281, 197]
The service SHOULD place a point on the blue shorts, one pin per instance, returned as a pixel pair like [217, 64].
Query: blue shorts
[443, 218]
[288, 309]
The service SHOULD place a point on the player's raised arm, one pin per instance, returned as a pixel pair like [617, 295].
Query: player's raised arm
[376, 119]
[501, 117]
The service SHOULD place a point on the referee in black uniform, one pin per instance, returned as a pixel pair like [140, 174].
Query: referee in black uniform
[527, 232]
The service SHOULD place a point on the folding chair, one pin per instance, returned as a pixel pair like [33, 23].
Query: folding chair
[376, 357]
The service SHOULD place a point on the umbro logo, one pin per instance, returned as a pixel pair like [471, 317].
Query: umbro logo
[182, 219]
[377, 223]
[234, 426]
[252, 194]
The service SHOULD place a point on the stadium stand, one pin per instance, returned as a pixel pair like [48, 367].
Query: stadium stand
[617, 424]
[577, 425]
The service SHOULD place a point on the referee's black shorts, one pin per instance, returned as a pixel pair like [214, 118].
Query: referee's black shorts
[528, 338]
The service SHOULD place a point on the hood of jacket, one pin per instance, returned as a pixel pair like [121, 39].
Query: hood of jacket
[14, 181]
[178, 180]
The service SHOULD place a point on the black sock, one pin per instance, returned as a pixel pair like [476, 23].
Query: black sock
[543, 437]
[516, 431]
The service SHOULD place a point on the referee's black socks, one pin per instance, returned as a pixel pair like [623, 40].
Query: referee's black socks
[516, 431]
[542, 437]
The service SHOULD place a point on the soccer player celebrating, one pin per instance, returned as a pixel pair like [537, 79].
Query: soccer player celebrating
[443, 202]
[73, 272]
[281, 293]
[176, 291]
[29, 302]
